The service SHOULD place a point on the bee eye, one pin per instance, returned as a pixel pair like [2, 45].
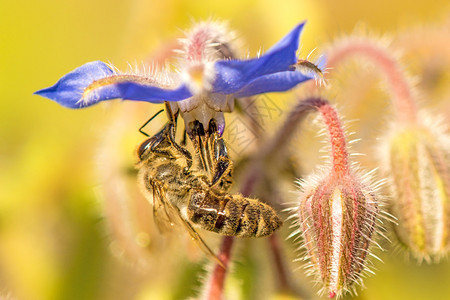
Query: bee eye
[143, 147]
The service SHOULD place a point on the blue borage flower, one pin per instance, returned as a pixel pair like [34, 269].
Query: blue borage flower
[206, 85]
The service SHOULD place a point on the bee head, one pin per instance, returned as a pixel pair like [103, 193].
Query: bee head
[144, 147]
[159, 144]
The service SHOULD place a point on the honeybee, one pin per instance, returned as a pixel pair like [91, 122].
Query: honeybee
[196, 197]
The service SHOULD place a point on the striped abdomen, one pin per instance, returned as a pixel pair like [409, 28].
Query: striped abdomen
[232, 214]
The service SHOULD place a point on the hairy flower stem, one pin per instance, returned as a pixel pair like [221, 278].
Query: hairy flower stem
[283, 274]
[339, 152]
[279, 142]
[403, 101]
[217, 282]
[272, 151]
[283, 281]
[296, 116]
[337, 213]
[272, 148]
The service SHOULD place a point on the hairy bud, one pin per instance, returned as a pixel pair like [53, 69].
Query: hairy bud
[337, 215]
[417, 158]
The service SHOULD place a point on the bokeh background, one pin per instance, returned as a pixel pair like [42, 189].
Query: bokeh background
[62, 236]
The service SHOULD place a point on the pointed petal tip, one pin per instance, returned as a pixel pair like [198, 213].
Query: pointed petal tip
[301, 25]
[40, 92]
[68, 91]
[46, 92]
[94, 82]
[233, 75]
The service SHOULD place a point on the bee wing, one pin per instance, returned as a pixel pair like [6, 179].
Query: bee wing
[162, 215]
[200, 242]
[171, 211]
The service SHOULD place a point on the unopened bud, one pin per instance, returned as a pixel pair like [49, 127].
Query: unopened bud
[337, 215]
[338, 218]
[417, 158]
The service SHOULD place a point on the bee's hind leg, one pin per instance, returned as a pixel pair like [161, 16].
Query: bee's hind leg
[223, 166]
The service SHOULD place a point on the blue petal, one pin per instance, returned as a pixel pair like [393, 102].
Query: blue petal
[69, 89]
[278, 82]
[148, 93]
[95, 81]
[232, 75]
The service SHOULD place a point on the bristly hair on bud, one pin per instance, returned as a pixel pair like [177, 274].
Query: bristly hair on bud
[414, 154]
[337, 215]
[416, 158]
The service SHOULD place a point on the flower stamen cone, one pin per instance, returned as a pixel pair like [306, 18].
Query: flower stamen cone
[338, 215]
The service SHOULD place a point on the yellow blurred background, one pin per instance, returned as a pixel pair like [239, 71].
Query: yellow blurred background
[53, 241]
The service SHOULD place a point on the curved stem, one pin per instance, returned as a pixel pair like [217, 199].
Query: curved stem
[275, 146]
[339, 154]
[217, 282]
[283, 280]
[403, 101]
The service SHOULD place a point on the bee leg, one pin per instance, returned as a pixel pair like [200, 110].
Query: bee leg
[160, 196]
[184, 140]
[222, 176]
[192, 232]
[198, 138]
[201, 243]
[186, 153]
[182, 150]
[170, 133]
[223, 166]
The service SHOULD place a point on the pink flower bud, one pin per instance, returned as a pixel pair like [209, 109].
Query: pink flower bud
[417, 159]
[338, 213]
[338, 217]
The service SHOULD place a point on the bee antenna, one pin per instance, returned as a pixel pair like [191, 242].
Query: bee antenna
[148, 121]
